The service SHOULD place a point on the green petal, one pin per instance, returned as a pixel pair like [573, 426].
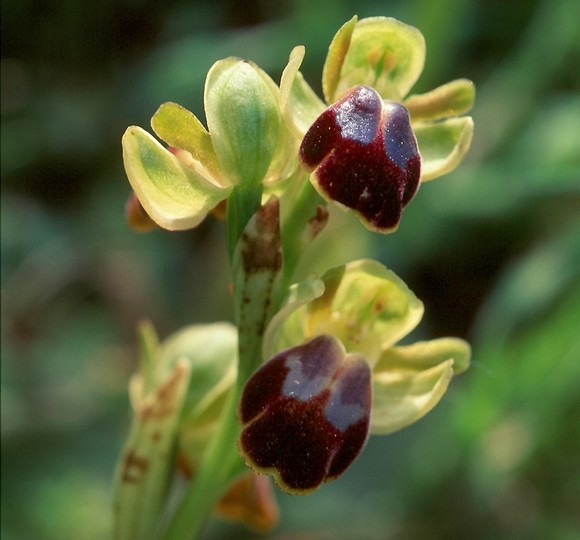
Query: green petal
[401, 398]
[180, 128]
[299, 103]
[175, 196]
[367, 307]
[285, 330]
[442, 145]
[383, 53]
[451, 99]
[409, 380]
[425, 355]
[335, 58]
[245, 122]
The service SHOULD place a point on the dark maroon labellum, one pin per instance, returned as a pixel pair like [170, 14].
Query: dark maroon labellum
[306, 414]
[366, 157]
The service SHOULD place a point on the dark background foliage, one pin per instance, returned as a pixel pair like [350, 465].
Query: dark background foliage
[493, 250]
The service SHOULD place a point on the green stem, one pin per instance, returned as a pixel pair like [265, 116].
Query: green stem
[219, 466]
[294, 227]
[221, 462]
[242, 204]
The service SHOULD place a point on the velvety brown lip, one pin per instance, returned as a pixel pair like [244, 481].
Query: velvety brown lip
[365, 156]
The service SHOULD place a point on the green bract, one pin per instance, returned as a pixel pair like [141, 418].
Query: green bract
[247, 143]
[210, 352]
[369, 309]
[177, 397]
[387, 55]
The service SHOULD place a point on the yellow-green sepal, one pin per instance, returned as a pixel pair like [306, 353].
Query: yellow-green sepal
[409, 380]
[379, 52]
[363, 304]
[442, 145]
[335, 58]
[451, 99]
[173, 194]
[368, 307]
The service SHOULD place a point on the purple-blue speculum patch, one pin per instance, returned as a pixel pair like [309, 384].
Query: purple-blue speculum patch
[365, 157]
[306, 414]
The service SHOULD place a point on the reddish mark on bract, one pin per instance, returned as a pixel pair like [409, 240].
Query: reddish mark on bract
[134, 467]
[261, 244]
[163, 403]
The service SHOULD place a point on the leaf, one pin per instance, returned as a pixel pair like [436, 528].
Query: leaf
[143, 471]
[257, 268]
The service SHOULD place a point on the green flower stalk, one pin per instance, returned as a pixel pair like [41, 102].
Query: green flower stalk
[307, 371]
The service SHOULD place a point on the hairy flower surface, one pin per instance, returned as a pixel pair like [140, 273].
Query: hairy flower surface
[365, 157]
[306, 414]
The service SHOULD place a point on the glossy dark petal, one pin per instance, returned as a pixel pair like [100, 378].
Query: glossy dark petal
[306, 414]
[365, 157]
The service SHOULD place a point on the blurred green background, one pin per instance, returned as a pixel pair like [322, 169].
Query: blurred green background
[493, 250]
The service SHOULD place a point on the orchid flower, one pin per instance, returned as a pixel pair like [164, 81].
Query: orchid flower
[337, 373]
[371, 145]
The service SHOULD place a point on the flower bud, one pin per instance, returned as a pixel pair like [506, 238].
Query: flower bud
[245, 122]
[177, 397]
